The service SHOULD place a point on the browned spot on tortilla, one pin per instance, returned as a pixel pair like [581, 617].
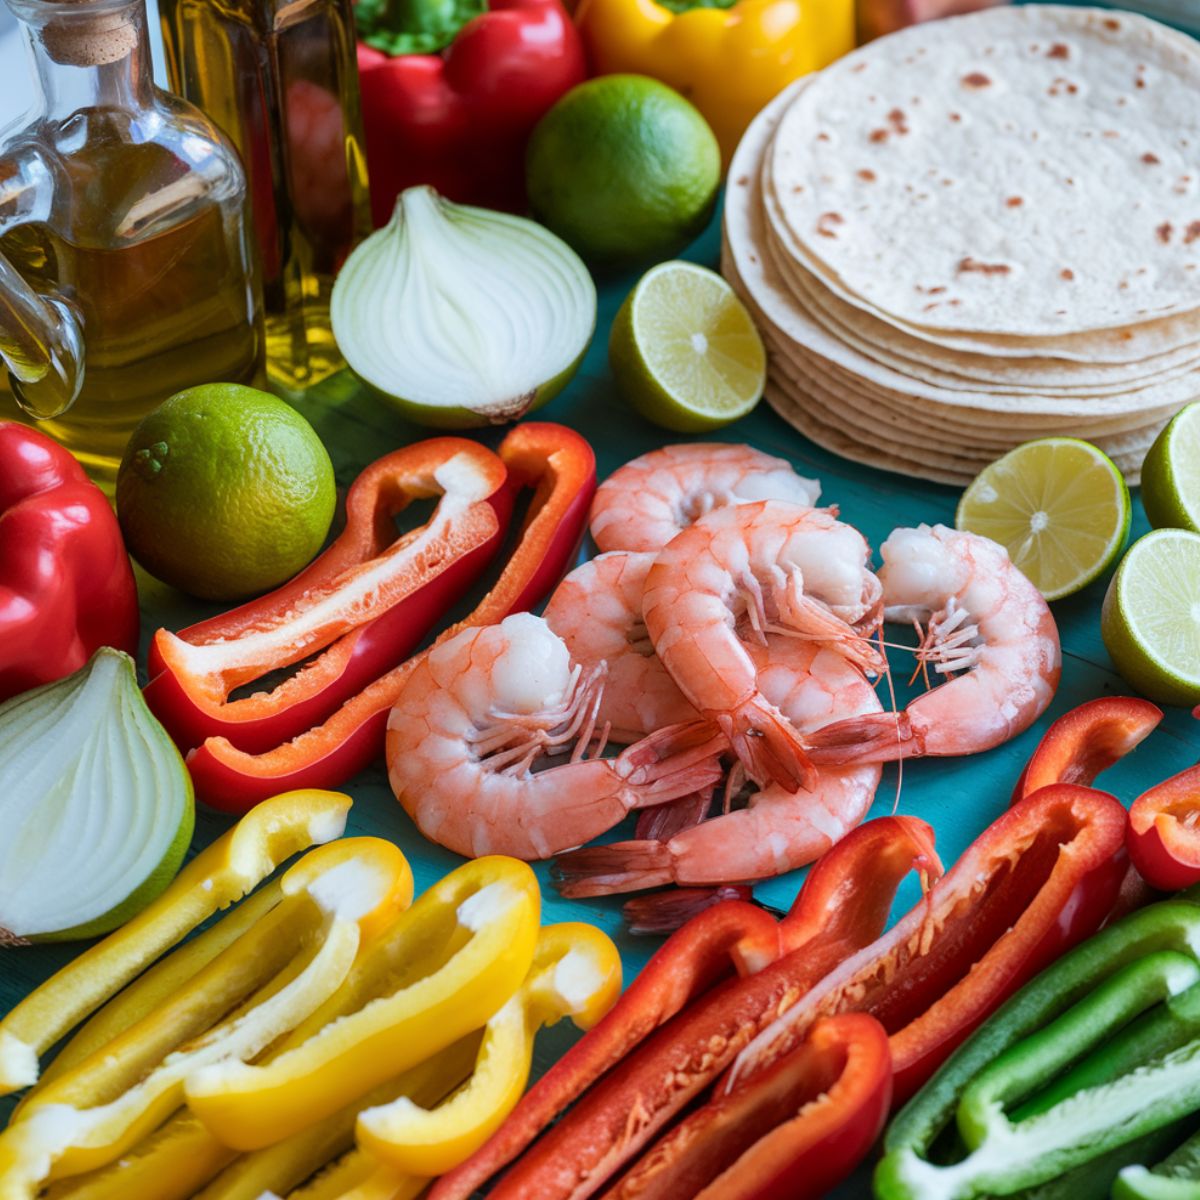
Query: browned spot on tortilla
[1151, 160]
[1139, 82]
[1112, 25]
[931, 306]
[1014, 202]
[976, 79]
[1111, 133]
[1059, 50]
[879, 135]
[956, 117]
[1193, 233]
[1123, 285]
[1067, 274]
[1126, 335]
[743, 180]
[897, 121]
[798, 188]
[866, 175]
[954, 303]
[822, 137]
[974, 266]
[827, 222]
[862, 66]
[1165, 232]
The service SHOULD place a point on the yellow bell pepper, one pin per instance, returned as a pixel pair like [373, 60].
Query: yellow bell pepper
[439, 972]
[258, 988]
[576, 972]
[224, 873]
[728, 62]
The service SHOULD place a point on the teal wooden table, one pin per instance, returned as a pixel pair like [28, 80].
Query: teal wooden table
[958, 797]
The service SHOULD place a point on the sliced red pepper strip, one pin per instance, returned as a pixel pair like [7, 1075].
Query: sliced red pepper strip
[1086, 741]
[791, 1132]
[1041, 878]
[560, 466]
[66, 586]
[1164, 841]
[365, 603]
[685, 1029]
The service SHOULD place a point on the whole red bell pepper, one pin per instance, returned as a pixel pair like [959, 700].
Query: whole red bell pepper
[559, 467]
[686, 1015]
[1164, 832]
[1041, 878]
[359, 631]
[791, 1132]
[1086, 741]
[66, 586]
[459, 119]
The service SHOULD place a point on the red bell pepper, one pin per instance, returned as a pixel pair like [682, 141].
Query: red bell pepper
[1164, 834]
[459, 120]
[685, 1017]
[791, 1132]
[365, 603]
[1041, 878]
[1086, 741]
[561, 468]
[66, 586]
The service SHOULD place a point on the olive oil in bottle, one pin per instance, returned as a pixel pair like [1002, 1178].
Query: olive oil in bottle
[280, 78]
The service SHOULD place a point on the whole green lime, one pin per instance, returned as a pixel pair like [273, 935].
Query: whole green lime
[624, 169]
[225, 491]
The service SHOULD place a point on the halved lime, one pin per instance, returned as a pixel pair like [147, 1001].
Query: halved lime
[685, 351]
[1151, 617]
[1171, 473]
[1058, 505]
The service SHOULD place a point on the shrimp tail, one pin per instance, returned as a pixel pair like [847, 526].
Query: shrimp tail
[617, 867]
[767, 744]
[872, 738]
[662, 822]
[665, 912]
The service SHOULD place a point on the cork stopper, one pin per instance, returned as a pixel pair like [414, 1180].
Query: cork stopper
[89, 33]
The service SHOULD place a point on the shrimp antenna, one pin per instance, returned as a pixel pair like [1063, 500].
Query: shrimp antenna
[896, 714]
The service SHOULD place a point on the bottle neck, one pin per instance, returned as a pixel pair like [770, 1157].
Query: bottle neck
[89, 53]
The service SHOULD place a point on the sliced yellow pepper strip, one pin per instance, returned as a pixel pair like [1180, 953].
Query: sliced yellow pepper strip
[576, 972]
[359, 1176]
[287, 1164]
[439, 972]
[159, 983]
[101, 1109]
[225, 872]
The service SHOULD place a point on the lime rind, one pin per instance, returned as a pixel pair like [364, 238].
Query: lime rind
[1060, 507]
[1151, 617]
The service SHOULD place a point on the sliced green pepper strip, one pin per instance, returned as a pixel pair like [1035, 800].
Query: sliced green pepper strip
[1177, 1177]
[1025, 1067]
[1171, 925]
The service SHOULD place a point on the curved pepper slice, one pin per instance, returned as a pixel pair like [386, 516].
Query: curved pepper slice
[225, 872]
[263, 985]
[729, 60]
[561, 468]
[843, 906]
[1177, 1177]
[792, 1132]
[1164, 842]
[1086, 741]
[1042, 877]
[440, 971]
[576, 972]
[66, 586]
[365, 603]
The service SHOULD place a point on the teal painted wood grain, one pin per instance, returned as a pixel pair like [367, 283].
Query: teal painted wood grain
[958, 797]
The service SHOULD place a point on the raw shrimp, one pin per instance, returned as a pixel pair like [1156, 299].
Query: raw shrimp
[782, 568]
[645, 503]
[986, 627]
[778, 830]
[480, 710]
[597, 611]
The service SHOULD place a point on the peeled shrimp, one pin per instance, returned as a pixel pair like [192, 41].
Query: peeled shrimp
[597, 611]
[483, 708]
[773, 567]
[987, 629]
[778, 830]
[645, 503]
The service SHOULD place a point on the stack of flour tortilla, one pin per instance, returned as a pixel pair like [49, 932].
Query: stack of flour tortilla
[976, 232]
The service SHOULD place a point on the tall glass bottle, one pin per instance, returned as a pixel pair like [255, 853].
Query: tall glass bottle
[126, 268]
[280, 78]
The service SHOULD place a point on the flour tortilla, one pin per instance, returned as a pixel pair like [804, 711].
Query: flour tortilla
[1057, 226]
